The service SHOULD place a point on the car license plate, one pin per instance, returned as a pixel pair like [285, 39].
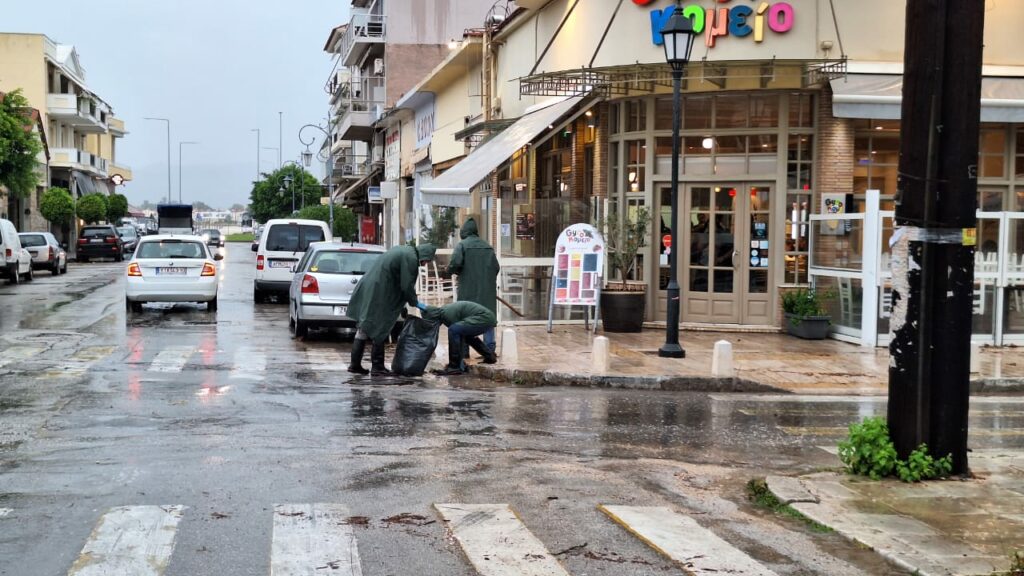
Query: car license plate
[281, 263]
[171, 271]
[340, 310]
[96, 241]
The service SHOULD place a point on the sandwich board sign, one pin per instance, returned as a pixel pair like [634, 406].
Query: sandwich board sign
[578, 270]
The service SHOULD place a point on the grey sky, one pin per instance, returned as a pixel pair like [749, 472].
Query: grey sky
[216, 68]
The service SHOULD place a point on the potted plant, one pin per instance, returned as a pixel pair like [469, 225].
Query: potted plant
[805, 312]
[623, 301]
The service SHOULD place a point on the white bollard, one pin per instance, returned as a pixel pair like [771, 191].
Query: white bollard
[602, 354]
[975, 358]
[721, 360]
[509, 347]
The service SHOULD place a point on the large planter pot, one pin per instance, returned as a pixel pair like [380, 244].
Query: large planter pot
[808, 327]
[623, 311]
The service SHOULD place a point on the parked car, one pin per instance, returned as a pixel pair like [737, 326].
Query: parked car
[100, 241]
[212, 237]
[283, 242]
[130, 237]
[323, 284]
[172, 268]
[47, 253]
[15, 261]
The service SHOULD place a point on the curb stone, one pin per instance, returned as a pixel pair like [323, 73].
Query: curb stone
[535, 378]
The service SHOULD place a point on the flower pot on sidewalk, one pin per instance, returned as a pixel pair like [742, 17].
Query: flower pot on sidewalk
[808, 327]
[623, 310]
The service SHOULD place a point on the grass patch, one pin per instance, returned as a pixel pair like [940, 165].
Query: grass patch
[759, 495]
[240, 237]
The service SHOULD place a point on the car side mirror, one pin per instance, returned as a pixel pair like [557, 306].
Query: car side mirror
[218, 257]
[255, 247]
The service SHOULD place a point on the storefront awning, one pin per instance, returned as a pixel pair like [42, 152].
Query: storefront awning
[85, 183]
[453, 187]
[880, 96]
[343, 195]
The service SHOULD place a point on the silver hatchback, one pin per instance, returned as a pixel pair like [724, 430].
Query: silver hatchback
[324, 280]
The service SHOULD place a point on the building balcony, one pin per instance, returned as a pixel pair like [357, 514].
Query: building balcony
[75, 159]
[360, 108]
[116, 126]
[364, 31]
[84, 114]
[351, 167]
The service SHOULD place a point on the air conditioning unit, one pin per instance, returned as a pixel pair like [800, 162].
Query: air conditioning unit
[346, 170]
[378, 67]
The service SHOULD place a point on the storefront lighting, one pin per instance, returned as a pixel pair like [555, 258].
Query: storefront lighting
[708, 143]
[718, 189]
[590, 113]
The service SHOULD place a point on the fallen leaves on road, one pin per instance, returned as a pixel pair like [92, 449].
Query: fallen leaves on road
[408, 519]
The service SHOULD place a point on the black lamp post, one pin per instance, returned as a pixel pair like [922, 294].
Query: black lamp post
[288, 185]
[678, 39]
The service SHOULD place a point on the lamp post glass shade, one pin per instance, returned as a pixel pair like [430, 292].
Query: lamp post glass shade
[307, 158]
[678, 38]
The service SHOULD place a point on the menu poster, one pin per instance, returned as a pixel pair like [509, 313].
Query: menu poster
[526, 226]
[579, 264]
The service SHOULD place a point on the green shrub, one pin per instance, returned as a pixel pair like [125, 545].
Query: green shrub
[92, 208]
[921, 466]
[805, 304]
[868, 451]
[57, 206]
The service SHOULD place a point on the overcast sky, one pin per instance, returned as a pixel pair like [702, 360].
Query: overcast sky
[216, 68]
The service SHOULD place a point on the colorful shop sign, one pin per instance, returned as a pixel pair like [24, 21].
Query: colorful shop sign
[740, 21]
[579, 265]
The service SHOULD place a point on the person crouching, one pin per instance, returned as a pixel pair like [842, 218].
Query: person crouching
[466, 322]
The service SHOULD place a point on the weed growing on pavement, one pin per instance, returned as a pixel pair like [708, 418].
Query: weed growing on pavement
[759, 494]
[869, 451]
[1016, 564]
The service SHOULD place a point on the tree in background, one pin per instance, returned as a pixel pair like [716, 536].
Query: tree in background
[117, 207]
[92, 208]
[444, 225]
[236, 207]
[344, 220]
[19, 145]
[57, 206]
[268, 202]
[200, 206]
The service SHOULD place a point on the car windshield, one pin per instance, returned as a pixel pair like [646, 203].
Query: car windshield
[293, 237]
[127, 231]
[95, 232]
[343, 262]
[171, 249]
[29, 240]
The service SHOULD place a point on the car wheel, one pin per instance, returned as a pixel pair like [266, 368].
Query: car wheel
[83, 259]
[211, 306]
[15, 277]
[258, 296]
[120, 258]
[30, 275]
[64, 269]
[136, 307]
[299, 327]
[56, 268]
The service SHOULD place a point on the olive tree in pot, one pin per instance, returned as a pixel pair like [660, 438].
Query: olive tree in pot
[623, 301]
[805, 312]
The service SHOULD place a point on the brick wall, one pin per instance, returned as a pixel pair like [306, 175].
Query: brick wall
[834, 156]
[406, 64]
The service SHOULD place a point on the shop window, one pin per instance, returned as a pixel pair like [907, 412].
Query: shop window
[663, 114]
[613, 118]
[992, 152]
[614, 189]
[801, 110]
[876, 161]
[636, 115]
[697, 113]
[800, 162]
[732, 111]
[636, 166]
[796, 254]
[1019, 198]
[991, 199]
[764, 111]
[1020, 153]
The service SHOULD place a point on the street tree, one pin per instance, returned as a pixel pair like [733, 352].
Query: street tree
[117, 207]
[344, 219]
[19, 145]
[200, 206]
[57, 206]
[267, 201]
[92, 208]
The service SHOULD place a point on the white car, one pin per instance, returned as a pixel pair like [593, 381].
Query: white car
[172, 268]
[280, 247]
[15, 261]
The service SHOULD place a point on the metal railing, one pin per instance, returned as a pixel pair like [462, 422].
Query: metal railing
[352, 165]
[363, 94]
[362, 28]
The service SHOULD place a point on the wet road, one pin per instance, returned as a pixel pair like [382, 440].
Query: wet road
[213, 419]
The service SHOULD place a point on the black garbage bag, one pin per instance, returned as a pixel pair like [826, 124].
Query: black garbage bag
[416, 344]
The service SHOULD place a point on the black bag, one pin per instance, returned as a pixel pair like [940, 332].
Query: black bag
[416, 344]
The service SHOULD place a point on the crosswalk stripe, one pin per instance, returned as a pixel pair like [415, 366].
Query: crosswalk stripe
[173, 359]
[313, 539]
[4, 512]
[680, 538]
[496, 542]
[130, 540]
[248, 364]
[326, 360]
[18, 354]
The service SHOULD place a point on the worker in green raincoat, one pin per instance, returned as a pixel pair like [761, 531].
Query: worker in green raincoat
[466, 321]
[380, 297]
[477, 267]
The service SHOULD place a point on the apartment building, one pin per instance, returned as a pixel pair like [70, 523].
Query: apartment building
[80, 128]
[382, 52]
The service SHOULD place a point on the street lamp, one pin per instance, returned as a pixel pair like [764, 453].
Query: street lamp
[168, 152]
[307, 159]
[257, 131]
[678, 37]
[288, 184]
[180, 144]
[302, 184]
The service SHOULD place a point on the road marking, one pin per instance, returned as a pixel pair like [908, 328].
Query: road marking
[18, 354]
[313, 539]
[684, 541]
[496, 542]
[248, 364]
[4, 512]
[326, 360]
[130, 540]
[173, 359]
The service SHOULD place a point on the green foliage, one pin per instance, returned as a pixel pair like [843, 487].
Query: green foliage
[624, 235]
[868, 451]
[1017, 563]
[19, 145]
[117, 207]
[805, 304]
[759, 494]
[268, 202]
[240, 237]
[921, 466]
[58, 206]
[92, 208]
[344, 219]
[440, 233]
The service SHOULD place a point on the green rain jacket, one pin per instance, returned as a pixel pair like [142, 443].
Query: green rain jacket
[381, 293]
[464, 311]
[477, 266]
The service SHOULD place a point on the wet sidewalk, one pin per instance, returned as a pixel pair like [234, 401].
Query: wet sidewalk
[775, 362]
[948, 528]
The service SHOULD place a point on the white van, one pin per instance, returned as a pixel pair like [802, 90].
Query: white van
[15, 261]
[280, 247]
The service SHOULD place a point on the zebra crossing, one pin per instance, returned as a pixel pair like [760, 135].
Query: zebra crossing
[315, 538]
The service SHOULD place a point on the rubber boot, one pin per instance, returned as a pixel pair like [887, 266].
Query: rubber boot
[476, 344]
[377, 367]
[355, 365]
[454, 367]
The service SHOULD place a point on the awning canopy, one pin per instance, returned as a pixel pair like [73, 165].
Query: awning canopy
[343, 195]
[85, 183]
[880, 96]
[453, 187]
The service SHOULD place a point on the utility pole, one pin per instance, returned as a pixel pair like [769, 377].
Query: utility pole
[280, 139]
[933, 246]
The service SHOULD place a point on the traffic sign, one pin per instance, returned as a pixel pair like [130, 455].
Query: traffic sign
[666, 240]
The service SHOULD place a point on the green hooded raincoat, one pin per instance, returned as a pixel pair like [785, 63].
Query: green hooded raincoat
[477, 266]
[381, 293]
